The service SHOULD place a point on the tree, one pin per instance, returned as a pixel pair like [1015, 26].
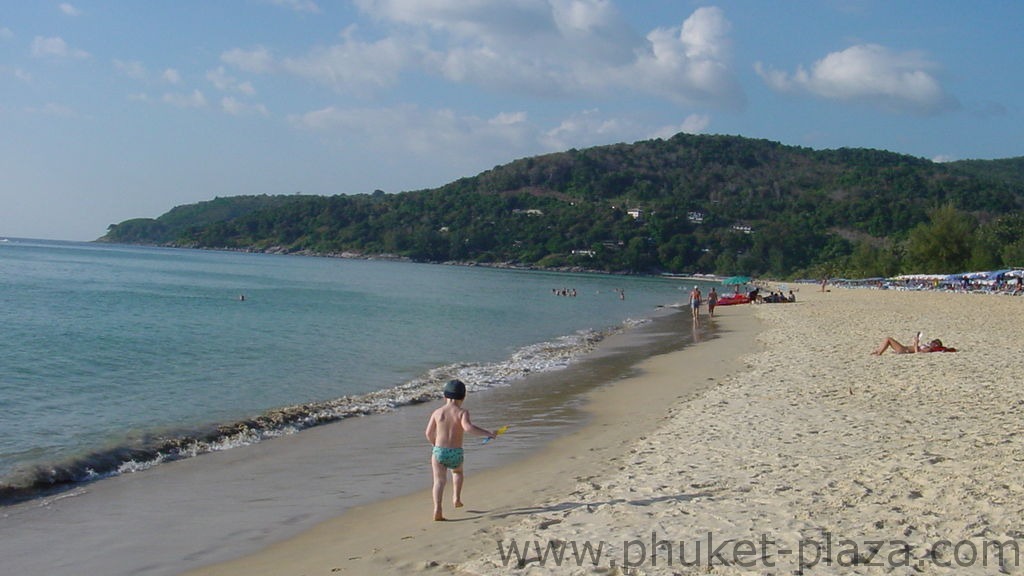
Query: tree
[944, 244]
[1000, 243]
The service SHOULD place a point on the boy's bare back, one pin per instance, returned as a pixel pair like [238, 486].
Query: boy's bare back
[448, 423]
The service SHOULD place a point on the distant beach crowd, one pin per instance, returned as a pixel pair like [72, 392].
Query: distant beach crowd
[1006, 282]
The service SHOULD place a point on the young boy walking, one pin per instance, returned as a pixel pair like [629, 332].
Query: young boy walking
[444, 431]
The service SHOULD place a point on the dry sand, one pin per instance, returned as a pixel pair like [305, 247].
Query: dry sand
[801, 445]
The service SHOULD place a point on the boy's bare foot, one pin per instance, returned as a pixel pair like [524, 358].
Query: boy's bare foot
[458, 504]
[438, 517]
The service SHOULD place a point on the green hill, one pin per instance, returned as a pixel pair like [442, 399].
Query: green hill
[688, 204]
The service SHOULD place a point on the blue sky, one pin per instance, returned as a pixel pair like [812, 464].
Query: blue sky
[120, 109]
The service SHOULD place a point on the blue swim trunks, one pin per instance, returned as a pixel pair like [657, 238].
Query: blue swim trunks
[448, 457]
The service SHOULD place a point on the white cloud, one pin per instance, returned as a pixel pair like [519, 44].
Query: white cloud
[137, 71]
[563, 47]
[171, 76]
[69, 10]
[870, 74]
[546, 48]
[179, 100]
[583, 129]
[352, 67]
[425, 134]
[224, 82]
[509, 118]
[258, 60]
[6, 34]
[237, 108]
[55, 47]
[695, 124]
[476, 19]
[132, 69]
[220, 79]
[690, 64]
[692, 124]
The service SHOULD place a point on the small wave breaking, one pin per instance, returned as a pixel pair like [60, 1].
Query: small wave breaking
[154, 449]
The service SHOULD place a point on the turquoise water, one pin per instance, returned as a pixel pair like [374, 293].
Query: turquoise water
[117, 357]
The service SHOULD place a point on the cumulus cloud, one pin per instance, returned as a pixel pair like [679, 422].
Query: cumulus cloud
[224, 82]
[690, 64]
[69, 10]
[236, 107]
[6, 34]
[870, 74]
[426, 133]
[257, 60]
[546, 48]
[509, 118]
[352, 67]
[56, 48]
[583, 129]
[695, 124]
[171, 76]
[179, 100]
[692, 124]
[474, 19]
[131, 68]
[137, 71]
[593, 127]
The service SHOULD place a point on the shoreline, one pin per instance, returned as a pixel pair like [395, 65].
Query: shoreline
[225, 504]
[398, 535]
[805, 451]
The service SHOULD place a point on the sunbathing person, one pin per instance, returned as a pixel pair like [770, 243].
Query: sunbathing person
[915, 346]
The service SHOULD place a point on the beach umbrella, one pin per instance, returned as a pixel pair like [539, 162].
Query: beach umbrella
[977, 275]
[736, 280]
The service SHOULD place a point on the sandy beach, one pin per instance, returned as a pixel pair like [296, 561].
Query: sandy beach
[781, 446]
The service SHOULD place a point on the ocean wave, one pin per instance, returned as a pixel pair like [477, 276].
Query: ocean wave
[155, 449]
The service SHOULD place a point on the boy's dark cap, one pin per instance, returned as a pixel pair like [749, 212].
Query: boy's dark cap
[455, 390]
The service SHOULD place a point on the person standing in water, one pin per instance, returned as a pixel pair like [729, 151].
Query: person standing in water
[445, 430]
[712, 301]
[695, 304]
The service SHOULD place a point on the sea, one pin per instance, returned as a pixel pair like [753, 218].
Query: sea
[124, 361]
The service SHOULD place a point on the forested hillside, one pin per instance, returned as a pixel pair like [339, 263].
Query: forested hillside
[720, 204]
